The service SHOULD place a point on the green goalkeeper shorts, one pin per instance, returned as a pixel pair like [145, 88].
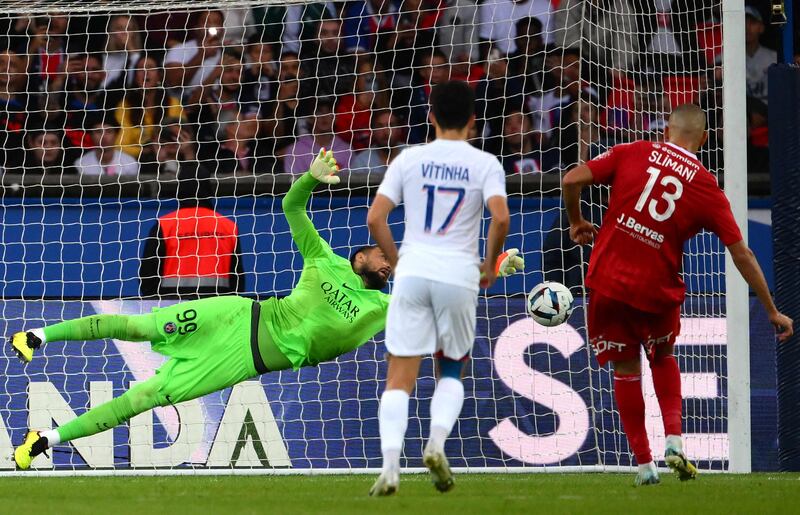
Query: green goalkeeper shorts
[209, 342]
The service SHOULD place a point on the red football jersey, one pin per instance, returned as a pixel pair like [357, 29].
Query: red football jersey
[660, 197]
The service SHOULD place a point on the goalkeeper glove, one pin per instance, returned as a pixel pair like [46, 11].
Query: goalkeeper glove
[324, 167]
[509, 262]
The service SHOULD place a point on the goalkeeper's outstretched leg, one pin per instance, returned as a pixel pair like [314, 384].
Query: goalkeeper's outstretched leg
[131, 328]
[210, 343]
[140, 398]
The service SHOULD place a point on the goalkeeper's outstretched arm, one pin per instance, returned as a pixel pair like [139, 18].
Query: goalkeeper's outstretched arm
[305, 235]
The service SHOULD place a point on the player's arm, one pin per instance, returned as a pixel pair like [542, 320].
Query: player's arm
[748, 266]
[377, 222]
[581, 230]
[305, 235]
[498, 228]
[390, 195]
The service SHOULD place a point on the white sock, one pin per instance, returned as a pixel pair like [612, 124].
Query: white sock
[39, 333]
[675, 441]
[52, 436]
[393, 420]
[448, 398]
[651, 466]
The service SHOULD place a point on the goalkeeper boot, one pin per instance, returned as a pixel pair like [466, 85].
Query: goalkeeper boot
[386, 484]
[441, 475]
[33, 446]
[677, 461]
[648, 475]
[24, 343]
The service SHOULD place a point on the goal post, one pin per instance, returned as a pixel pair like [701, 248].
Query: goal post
[557, 83]
[735, 184]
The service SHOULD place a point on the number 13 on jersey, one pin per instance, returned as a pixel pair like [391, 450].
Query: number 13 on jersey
[441, 193]
[668, 197]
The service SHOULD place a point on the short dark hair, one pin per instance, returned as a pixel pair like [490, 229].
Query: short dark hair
[360, 250]
[453, 104]
[524, 25]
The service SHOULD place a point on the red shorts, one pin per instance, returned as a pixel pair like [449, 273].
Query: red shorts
[617, 330]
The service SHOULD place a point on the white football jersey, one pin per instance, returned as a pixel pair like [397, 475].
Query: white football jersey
[444, 186]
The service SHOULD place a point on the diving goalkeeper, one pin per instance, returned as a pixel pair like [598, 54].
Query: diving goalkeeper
[218, 342]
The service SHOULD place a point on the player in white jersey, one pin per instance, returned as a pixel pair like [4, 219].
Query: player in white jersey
[444, 186]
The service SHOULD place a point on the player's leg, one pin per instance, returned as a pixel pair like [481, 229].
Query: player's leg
[630, 402]
[132, 328]
[667, 384]
[454, 309]
[140, 398]
[410, 334]
[614, 329]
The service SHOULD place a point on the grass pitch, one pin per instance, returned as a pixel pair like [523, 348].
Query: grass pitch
[475, 493]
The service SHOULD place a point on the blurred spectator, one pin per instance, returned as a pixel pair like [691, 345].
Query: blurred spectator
[302, 22]
[298, 157]
[563, 87]
[14, 111]
[644, 117]
[241, 150]
[499, 17]
[386, 142]
[193, 251]
[758, 57]
[77, 96]
[177, 152]
[413, 34]
[123, 50]
[528, 60]
[165, 29]
[142, 110]
[47, 50]
[496, 93]
[280, 115]
[664, 40]
[239, 25]
[194, 62]
[16, 30]
[583, 137]
[224, 100]
[289, 67]
[757, 136]
[433, 68]
[521, 151]
[105, 158]
[44, 152]
[354, 111]
[608, 31]
[365, 21]
[457, 35]
[262, 69]
[325, 72]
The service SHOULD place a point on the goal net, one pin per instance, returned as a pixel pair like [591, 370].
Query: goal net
[115, 115]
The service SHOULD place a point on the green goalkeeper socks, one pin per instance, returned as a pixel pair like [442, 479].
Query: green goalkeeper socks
[105, 416]
[140, 398]
[132, 328]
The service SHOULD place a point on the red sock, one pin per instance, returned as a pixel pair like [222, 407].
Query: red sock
[628, 393]
[667, 382]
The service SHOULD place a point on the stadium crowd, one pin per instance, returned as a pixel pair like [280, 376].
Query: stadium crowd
[255, 91]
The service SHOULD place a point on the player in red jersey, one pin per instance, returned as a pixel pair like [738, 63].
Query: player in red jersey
[660, 197]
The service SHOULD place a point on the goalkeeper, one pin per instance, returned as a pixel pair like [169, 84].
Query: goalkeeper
[218, 342]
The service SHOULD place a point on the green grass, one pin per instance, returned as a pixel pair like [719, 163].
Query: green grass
[476, 493]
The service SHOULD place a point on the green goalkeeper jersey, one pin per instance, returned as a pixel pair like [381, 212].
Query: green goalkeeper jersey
[329, 312]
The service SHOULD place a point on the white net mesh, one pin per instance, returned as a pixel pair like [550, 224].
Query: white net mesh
[111, 115]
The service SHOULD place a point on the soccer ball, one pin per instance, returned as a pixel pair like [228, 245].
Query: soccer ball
[550, 303]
